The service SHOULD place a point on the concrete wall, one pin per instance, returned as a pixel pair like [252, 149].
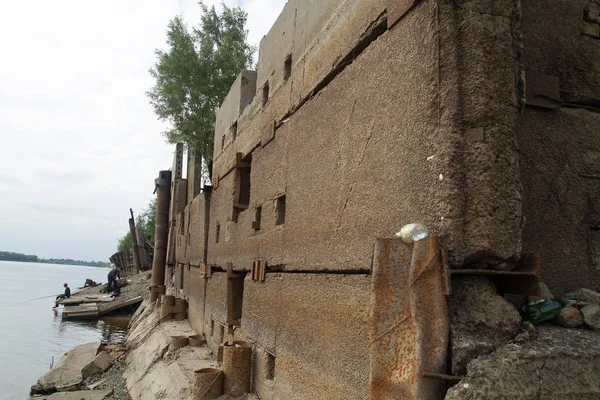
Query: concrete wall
[352, 162]
[193, 291]
[559, 148]
[423, 123]
[192, 230]
[215, 310]
[194, 175]
[320, 340]
[317, 348]
[386, 142]
[239, 96]
[319, 34]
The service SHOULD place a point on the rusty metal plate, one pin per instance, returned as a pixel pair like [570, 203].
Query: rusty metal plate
[475, 134]
[542, 90]
[397, 9]
[409, 321]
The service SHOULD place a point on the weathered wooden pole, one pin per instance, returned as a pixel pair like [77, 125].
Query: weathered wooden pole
[161, 231]
[141, 241]
[134, 242]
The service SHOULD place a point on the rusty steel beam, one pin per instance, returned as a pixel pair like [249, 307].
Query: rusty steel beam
[409, 325]
[161, 231]
[524, 280]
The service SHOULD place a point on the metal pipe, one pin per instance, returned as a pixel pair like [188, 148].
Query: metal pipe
[161, 232]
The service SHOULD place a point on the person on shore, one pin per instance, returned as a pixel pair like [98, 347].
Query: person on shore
[113, 275]
[65, 295]
[90, 283]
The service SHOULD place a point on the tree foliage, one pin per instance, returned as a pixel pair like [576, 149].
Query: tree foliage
[125, 242]
[195, 73]
[146, 221]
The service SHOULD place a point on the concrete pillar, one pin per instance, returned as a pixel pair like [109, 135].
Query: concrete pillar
[161, 231]
[167, 303]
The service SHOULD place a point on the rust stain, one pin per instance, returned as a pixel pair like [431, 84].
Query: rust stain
[409, 320]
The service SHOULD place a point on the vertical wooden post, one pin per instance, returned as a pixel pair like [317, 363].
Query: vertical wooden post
[141, 241]
[134, 242]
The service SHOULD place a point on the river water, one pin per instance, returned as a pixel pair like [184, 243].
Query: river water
[31, 333]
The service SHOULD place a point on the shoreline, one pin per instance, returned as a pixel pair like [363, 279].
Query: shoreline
[97, 368]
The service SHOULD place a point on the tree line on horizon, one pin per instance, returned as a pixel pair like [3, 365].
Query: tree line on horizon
[19, 257]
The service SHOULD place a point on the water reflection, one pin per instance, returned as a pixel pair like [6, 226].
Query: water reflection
[110, 329]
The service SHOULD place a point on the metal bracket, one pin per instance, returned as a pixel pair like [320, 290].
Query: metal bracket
[232, 274]
[259, 270]
[524, 280]
[205, 270]
[542, 90]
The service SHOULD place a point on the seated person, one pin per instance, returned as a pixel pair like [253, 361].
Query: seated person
[65, 295]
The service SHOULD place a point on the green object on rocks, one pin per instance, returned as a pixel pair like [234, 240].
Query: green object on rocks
[542, 310]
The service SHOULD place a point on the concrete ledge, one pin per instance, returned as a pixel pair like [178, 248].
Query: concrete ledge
[66, 375]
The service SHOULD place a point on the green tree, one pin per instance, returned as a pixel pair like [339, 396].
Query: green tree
[194, 75]
[125, 242]
[145, 220]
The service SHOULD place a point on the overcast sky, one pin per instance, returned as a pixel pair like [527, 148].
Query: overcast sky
[80, 144]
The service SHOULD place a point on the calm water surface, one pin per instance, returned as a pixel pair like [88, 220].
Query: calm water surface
[31, 333]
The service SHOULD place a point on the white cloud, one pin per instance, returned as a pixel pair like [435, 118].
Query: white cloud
[79, 143]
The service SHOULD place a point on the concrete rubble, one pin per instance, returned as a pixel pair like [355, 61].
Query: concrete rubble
[549, 363]
[101, 363]
[569, 317]
[480, 320]
[74, 371]
[591, 315]
[67, 375]
[588, 296]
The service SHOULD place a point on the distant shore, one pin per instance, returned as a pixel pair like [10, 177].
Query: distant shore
[19, 257]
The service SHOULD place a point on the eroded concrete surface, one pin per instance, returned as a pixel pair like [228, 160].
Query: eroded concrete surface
[152, 370]
[480, 320]
[553, 363]
[66, 375]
